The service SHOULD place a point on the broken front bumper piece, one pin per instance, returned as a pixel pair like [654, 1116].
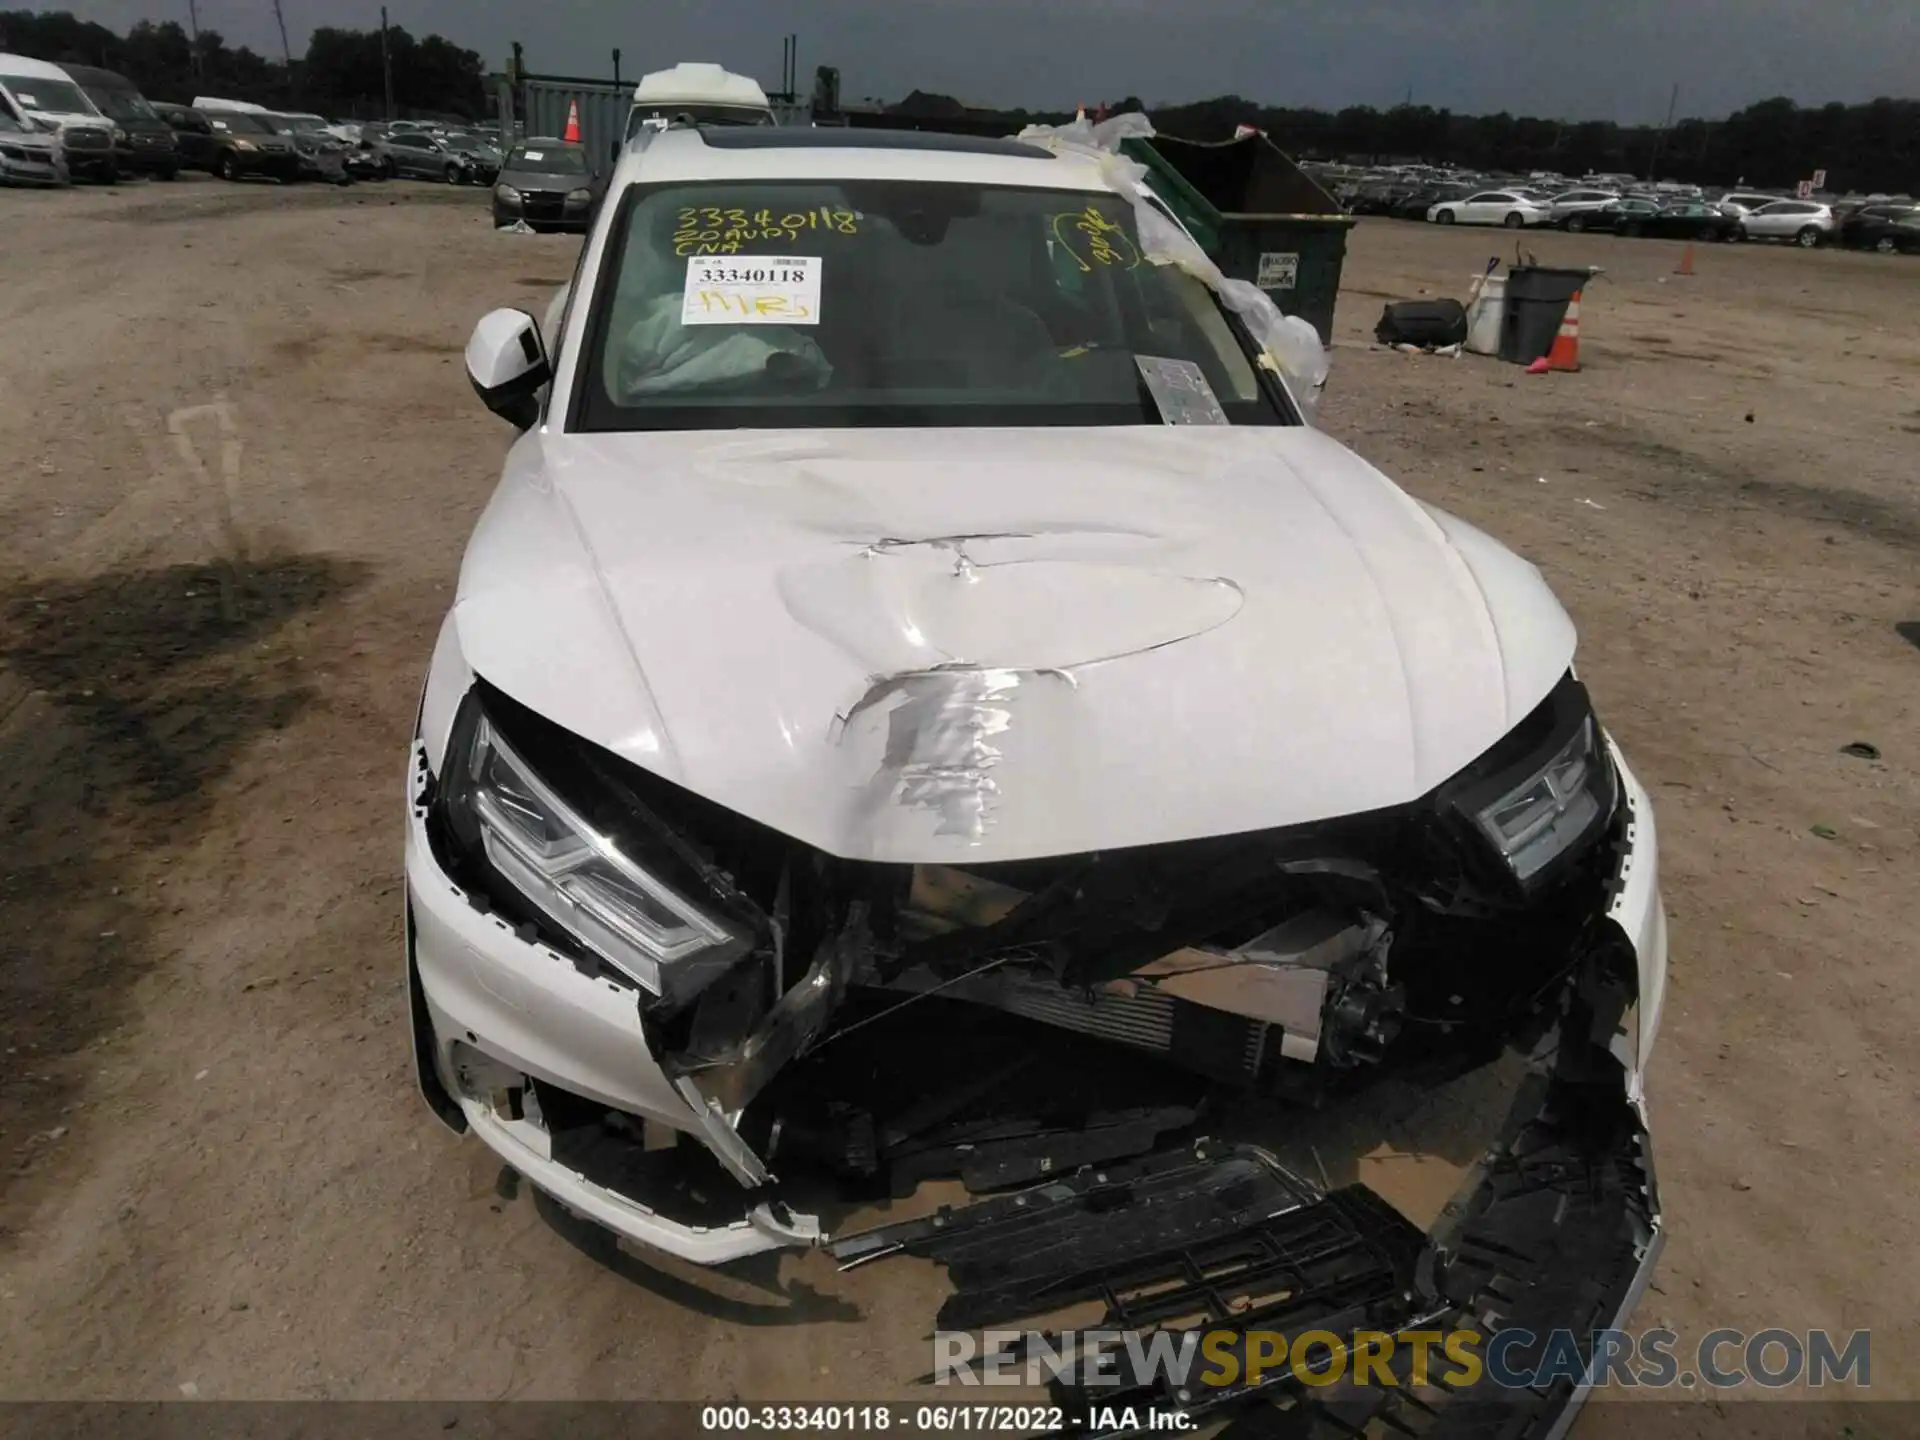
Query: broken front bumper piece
[1558, 1229]
[576, 1071]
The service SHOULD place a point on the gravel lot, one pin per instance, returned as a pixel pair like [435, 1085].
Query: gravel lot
[241, 460]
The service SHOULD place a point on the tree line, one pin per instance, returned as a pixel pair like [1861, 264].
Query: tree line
[340, 74]
[1775, 143]
[1873, 147]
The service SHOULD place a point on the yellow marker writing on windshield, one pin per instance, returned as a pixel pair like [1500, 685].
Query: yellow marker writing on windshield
[723, 302]
[1094, 239]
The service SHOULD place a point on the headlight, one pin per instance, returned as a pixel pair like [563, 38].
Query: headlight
[244, 145]
[578, 877]
[1542, 818]
[119, 136]
[579, 197]
[506, 194]
[1544, 792]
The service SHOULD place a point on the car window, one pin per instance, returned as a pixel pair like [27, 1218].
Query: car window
[56, 97]
[640, 117]
[912, 304]
[547, 160]
[234, 123]
[119, 104]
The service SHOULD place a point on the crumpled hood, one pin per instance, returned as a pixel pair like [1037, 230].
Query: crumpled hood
[976, 645]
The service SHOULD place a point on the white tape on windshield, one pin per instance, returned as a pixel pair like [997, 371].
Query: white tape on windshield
[752, 290]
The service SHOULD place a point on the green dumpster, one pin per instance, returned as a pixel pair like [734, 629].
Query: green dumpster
[1257, 215]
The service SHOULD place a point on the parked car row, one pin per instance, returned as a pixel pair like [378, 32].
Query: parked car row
[1634, 215]
[1621, 205]
[43, 100]
[1887, 228]
[456, 157]
[71, 122]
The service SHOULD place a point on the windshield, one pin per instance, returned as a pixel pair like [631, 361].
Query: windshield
[849, 303]
[54, 97]
[120, 104]
[544, 160]
[232, 122]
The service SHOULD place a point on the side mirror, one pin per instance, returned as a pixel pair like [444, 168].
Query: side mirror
[507, 365]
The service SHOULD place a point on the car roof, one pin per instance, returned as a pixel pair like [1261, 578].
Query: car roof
[30, 69]
[720, 153]
[94, 75]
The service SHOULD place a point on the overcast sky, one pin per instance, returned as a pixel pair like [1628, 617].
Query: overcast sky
[1572, 59]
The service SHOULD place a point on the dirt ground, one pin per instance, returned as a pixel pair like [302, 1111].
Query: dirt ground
[238, 462]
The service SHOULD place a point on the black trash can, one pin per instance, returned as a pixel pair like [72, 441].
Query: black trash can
[1537, 297]
[1257, 215]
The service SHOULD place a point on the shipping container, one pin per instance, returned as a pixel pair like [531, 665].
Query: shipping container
[545, 101]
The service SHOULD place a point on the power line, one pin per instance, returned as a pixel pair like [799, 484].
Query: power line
[286, 50]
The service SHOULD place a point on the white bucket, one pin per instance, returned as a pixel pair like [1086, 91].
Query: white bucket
[1485, 314]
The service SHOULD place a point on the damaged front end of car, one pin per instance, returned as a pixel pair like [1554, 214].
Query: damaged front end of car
[817, 1025]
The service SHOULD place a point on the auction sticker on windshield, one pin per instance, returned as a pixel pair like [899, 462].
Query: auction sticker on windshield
[752, 290]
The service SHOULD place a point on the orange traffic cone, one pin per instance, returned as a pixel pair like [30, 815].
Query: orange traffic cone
[1565, 354]
[1686, 261]
[572, 135]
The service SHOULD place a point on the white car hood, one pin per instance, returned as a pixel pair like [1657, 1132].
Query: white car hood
[977, 645]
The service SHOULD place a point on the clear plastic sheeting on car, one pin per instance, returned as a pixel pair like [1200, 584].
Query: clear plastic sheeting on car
[1292, 344]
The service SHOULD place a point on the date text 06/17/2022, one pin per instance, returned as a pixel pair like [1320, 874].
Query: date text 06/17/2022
[929, 1419]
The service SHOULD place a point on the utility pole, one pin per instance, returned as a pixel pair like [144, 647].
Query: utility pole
[386, 63]
[286, 50]
[1660, 140]
[616, 67]
[193, 29]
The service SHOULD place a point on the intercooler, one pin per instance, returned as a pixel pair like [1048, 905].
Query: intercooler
[1228, 1047]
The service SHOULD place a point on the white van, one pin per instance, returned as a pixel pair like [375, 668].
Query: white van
[710, 94]
[47, 95]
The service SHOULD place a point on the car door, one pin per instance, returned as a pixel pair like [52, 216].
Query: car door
[1775, 219]
[433, 157]
[1489, 207]
[195, 138]
[408, 154]
[1674, 222]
